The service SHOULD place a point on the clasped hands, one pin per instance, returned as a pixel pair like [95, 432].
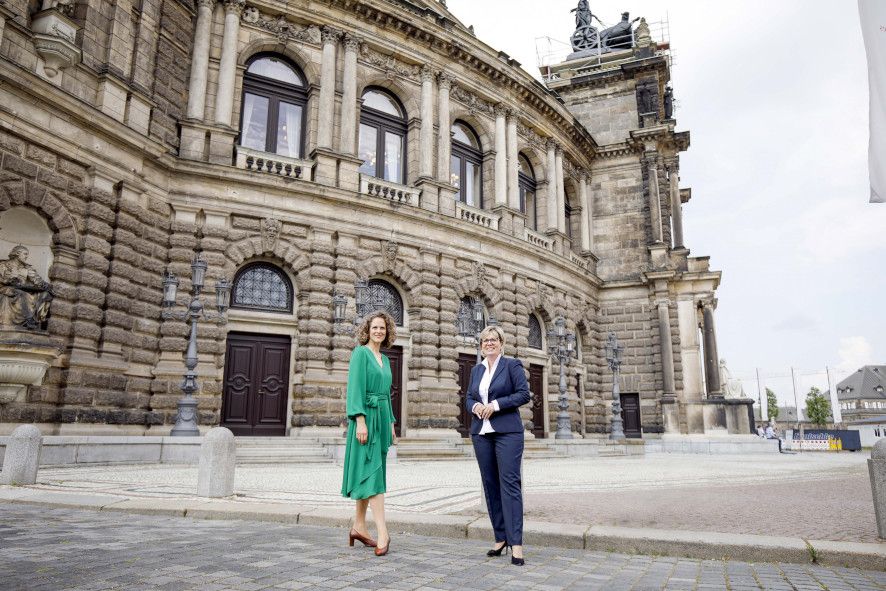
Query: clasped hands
[483, 411]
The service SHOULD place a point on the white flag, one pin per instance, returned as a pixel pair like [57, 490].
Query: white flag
[873, 29]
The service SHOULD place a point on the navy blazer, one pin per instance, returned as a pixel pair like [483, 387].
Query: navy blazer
[509, 387]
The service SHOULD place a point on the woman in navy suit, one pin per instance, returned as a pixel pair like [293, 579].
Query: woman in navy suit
[498, 389]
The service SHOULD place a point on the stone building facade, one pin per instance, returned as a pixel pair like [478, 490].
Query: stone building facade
[301, 148]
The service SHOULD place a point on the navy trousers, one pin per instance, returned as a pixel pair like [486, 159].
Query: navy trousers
[499, 456]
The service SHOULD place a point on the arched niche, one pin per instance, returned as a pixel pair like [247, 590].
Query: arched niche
[22, 225]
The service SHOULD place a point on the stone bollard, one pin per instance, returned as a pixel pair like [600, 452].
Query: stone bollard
[877, 470]
[22, 456]
[218, 455]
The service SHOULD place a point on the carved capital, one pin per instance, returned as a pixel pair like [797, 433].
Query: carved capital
[330, 34]
[427, 74]
[500, 109]
[210, 4]
[585, 175]
[444, 80]
[352, 43]
[673, 165]
[234, 6]
[552, 144]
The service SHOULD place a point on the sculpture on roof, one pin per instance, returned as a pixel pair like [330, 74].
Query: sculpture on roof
[587, 37]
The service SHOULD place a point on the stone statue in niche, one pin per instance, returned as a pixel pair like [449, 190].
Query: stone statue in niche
[24, 296]
[669, 102]
[647, 98]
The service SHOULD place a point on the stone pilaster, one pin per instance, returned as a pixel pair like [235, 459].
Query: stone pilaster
[444, 138]
[200, 61]
[651, 161]
[513, 186]
[586, 215]
[553, 223]
[426, 145]
[667, 349]
[561, 192]
[347, 141]
[327, 88]
[227, 69]
[676, 201]
[501, 155]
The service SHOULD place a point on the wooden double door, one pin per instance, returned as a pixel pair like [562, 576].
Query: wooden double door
[630, 415]
[395, 356]
[256, 384]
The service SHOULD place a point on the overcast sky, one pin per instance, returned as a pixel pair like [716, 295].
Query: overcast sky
[774, 94]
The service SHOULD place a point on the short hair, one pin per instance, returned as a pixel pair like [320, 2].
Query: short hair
[493, 330]
[390, 328]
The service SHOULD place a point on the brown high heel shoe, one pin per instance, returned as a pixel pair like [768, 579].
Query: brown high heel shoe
[379, 551]
[355, 535]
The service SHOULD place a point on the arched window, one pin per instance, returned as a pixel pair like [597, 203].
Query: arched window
[273, 115]
[568, 213]
[262, 286]
[382, 136]
[385, 297]
[467, 309]
[535, 333]
[466, 164]
[526, 181]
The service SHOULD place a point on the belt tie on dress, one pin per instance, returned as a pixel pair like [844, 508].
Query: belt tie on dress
[373, 426]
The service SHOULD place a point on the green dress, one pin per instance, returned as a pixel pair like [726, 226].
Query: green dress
[369, 394]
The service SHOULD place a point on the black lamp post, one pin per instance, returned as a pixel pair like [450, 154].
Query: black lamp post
[561, 346]
[613, 357]
[186, 417]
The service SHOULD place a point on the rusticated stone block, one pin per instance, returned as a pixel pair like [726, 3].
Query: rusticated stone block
[16, 165]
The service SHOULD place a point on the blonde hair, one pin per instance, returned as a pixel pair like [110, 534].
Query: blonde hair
[495, 331]
[390, 328]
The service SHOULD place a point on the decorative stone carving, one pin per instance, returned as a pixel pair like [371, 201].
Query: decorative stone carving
[330, 34]
[270, 233]
[24, 358]
[479, 273]
[647, 97]
[391, 65]
[352, 43]
[235, 6]
[55, 36]
[281, 28]
[427, 73]
[473, 102]
[389, 254]
[444, 80]
[531, 137]
[642, 35]
[24, 296]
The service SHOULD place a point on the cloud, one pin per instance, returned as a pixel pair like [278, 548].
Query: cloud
[853, 352]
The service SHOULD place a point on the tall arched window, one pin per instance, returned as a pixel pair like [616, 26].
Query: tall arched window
[526, 181]
[273, 115]
[535, 333]
[382, 136]
[262, 286]
[385, 296]
[466, 164]
[568, 213]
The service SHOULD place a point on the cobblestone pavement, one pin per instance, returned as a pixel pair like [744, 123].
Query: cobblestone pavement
[53, 549]
[692, 492]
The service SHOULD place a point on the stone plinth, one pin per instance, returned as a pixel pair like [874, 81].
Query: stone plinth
[218, 455]
[877, 470]
[22, 456]
[24, 358]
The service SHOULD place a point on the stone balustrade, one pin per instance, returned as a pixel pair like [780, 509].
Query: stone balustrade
[577, 260]
[536, 239]
[475, 215]
[370, 185]
[272, 163]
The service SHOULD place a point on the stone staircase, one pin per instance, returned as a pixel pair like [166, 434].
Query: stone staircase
[280, 450]
[538, 449]
[420, 449]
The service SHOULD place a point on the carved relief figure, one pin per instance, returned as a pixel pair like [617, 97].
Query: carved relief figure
[24, 296]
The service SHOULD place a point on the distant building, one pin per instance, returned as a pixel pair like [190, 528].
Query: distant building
[870, 429]
[863, 394]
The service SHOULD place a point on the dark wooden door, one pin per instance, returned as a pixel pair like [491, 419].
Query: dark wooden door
[536, 388]
[466, 363]
[395, 356]
[630, 415]
[256, 384]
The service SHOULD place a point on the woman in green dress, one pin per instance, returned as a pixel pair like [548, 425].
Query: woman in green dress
[370, 428]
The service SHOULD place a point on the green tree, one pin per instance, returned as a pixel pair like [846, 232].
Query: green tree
[818, 408]
[771, 404]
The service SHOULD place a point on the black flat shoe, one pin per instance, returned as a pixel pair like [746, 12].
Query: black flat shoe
[498, 551]
[517, 561]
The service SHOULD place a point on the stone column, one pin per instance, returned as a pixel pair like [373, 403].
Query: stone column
[561, 193]
[654, 200]
[227, 69]
[586, 213]
[426, 147]
[444, 137]
[501, 156]
[711, 358]
[676, 203]
[327, 88]
[200, 61]
[667, 348]
[349, 97]
[552, 185]
[513, 186]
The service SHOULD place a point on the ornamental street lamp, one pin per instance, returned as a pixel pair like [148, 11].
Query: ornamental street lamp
[363, 300]
[470, 322]
[613, 357]
[561, 346]
[186, 417]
